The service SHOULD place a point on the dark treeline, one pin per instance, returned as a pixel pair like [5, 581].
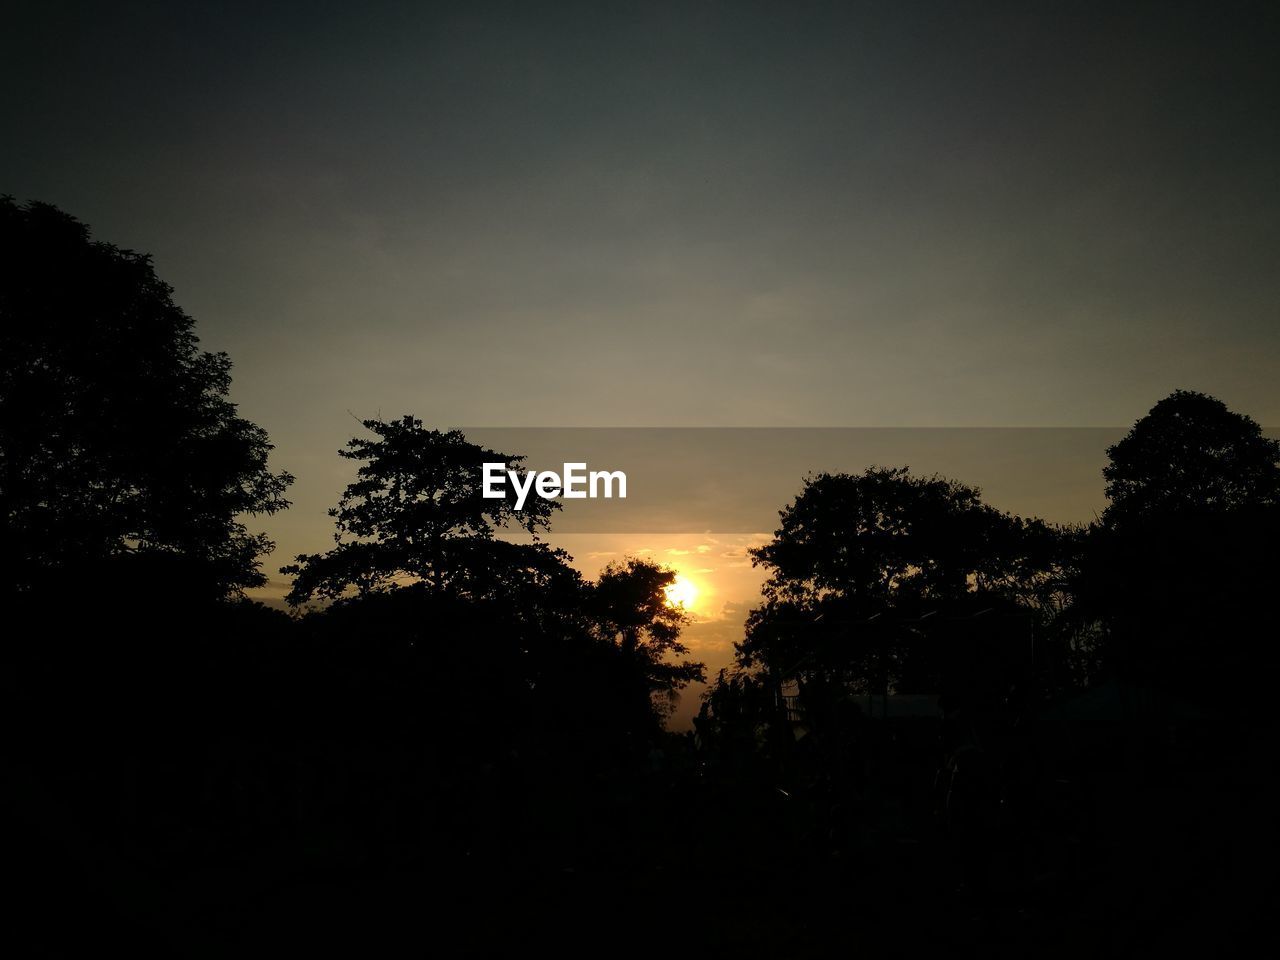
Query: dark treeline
[1041, 737]
[946, 726]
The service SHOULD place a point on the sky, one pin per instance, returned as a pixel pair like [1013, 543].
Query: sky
[687, 214]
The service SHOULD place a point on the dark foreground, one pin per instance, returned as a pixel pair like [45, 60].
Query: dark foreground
[264, 807]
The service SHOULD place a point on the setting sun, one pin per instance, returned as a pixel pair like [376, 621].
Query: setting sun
[682, 592]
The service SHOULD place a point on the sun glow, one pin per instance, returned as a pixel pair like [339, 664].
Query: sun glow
[681, 592]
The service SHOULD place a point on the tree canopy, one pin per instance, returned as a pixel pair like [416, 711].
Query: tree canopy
[885, 535]
[1190, 454]
[854, 547]
[416, 514]
[628, 606]
[117, 437]
[1180, 569]
[416, 541]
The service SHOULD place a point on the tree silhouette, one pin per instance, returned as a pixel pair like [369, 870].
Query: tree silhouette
[853, 547]
[1190, 454]
[416, 514]
[418, 563]
[1180, 569]
[117, 439]
[629, 608]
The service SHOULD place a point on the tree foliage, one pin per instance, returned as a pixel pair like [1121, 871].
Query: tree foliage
[416, 514]
[628, 607]
[117, 437]
[418, 546]
[1179, 571]
[858, 546]
[1190, 454]
[885, 534]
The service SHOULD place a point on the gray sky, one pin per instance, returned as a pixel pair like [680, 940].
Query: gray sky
[687, 214]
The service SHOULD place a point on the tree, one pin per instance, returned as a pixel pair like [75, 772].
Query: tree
[117, 438]
[416, 514]
[1190, 455]
[629, 608]
[880, 583]
[1179, 572]
[417, 557]
[853, 547]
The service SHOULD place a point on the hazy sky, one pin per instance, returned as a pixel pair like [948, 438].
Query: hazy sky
[695, 213]
[676, 214]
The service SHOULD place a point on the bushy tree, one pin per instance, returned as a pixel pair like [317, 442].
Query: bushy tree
[853, 547]
[628, 607]
[1190, 455]
[1179, 572]
[416, 515]
[419, 560]
[117, 437]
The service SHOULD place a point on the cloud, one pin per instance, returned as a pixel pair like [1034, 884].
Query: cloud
[712, 640]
